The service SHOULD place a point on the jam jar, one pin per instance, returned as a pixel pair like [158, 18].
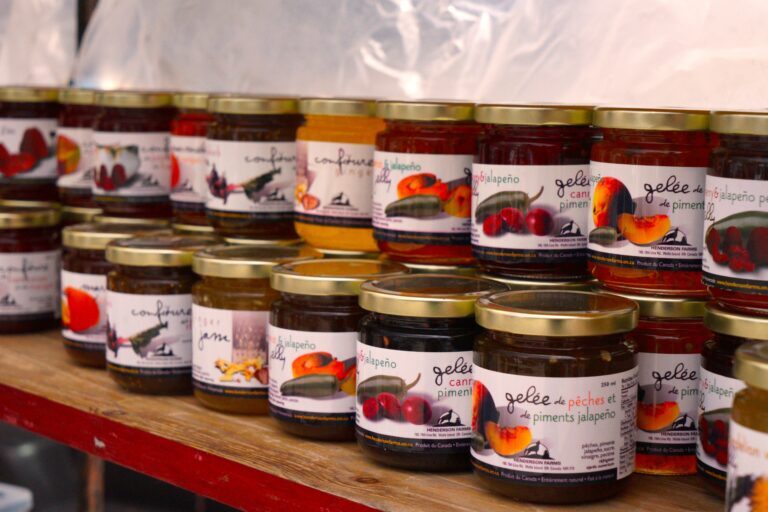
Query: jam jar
[188, 163]
[149, 313]
[251, 151]
[422, 173]
[584, 285]
[230, 313]
[647, 192]
[717, 387]
[312, 333]
[530, 191]
[78, 215]
[735, 260]
[133, 171]
[334, 173]
[28, 118]
[75, 150]
[414, 370]
[30, 257]
[555, 389]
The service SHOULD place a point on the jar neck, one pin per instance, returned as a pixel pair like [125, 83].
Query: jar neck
[266, 120]
[156, 273]
[348, 302]
[237, 284]
[420, 323]
[750, 143]
[556, 342]
[341, 123]
[656, 137]
[683, 326]
[553, 134]
[78, 116]
[437, 127]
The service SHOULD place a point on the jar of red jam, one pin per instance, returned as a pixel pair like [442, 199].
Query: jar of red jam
[71, 215]
[133, 172]
[28, 118]
[75, 150]
[530, 191]
[251, 150]
[188, 160]
[647, 192]
[422, 181]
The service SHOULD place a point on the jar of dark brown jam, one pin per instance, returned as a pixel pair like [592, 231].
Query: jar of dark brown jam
[414, 370]
[71, 215]
[555, 390]
[585, 285]
[75, 150]
[312, 333]
[149, 313]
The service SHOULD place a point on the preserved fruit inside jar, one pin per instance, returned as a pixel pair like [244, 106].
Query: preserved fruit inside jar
[75, 150]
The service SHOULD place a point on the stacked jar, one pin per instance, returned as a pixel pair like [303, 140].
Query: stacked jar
[75, 149]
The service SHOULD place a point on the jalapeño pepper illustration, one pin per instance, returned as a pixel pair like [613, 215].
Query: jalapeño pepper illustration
[372, 386]
[506, 199]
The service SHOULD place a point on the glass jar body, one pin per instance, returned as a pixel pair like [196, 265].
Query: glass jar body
[75, 154]
[188, 166]
[748, 437]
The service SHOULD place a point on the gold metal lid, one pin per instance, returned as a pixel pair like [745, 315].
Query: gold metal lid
[74, 96]
[156, 250]
[534, 115]
[557, 313]
[750, 364]
[78, 214]
[671, 119]
[744, 122]
[22, 94]
[106, 219]
[340, 254]
[725, 322]
[331, 276]
[426, 295]
[664, 307]
[454, 270]
[32, 216]
[243, 262]
[192, 229]
[254, 105]
[133, 99]
[425, 110]
[97, 236]
[526, 284]
[23, 203]
[337, 107]
[264, 243]
[191, 100]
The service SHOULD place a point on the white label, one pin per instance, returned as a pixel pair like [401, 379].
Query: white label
[149, 331]
[132, 164]
[646, 216]
[531, 429]
[75, 157]
[26, 149]
[250, 177]
[334, 183]
[29, 283]
[747, 470]
[84, 301]
[188, 167]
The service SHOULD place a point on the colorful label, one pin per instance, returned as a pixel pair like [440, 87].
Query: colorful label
[188, 167]
[334, 183]
[414, 401]
[75, 158]
[133, 165]
[424, 199]
[747, 488]
[312, 376]
[646, 217]
[149, 335]
[27, 149]
[251, 177]
[554, 431]
[530, 212]
[736, 235]
[230, 351]
[83, 304]
[29, 283]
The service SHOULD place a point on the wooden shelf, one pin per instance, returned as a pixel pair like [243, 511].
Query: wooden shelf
[245, 461]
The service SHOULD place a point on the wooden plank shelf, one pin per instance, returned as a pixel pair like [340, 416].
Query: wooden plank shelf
[247, 462]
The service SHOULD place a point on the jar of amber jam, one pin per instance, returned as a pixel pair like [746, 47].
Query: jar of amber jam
[75, 150]
[555, 384]
[585, 285]
[422, 173]
[133, 172]
[149, 313]
[530, 191]
[229, 330]
[71, 215]
[251, 151]
[647, 191]
[414, 370]
[334, 173]
[30, 257]
[313, 330]
[28, 118]
[188, 161]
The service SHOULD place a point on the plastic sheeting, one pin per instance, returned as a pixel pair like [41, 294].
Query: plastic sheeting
[703, 53]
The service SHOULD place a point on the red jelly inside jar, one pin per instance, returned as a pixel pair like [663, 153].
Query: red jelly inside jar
[75, 151]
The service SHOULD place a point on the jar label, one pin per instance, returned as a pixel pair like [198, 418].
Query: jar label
[736, 235]
[555, 431]
[716, 394]
[747, 470]
[312, 376]
[646, 217]
[530, 212]
[29, 284]
[132, 165]
[83, 302]
[75, 158]
[149, 335]
[230, 351]
[334, 182]
[423, 199]
[251, 177]
[27, 149]
[188, 167]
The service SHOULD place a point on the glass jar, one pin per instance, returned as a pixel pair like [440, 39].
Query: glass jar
[647, 191]
[251, 151]
[71, 215]
[188, 163]
[149, 313]
[422, 174]
[555, 390]
[334, 173]
[414, 370]
[312, 333]
[28, 118]
[230, 315]
[585, 285]
[30, 257]
[133, 171]
[530, 191]
[75, 150]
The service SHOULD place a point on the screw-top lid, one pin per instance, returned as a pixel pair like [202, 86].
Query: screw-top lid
[156, 250]
[106, 219]
[425, 111]
[342, 254]
[78, 214]
[337, 107]
[744, 122]
[664, 307]
[192, 229]
[191, 100]
[331, 276]
[97, 236]
[253, 105]
[22, 94]
[74, 96]
[28, 216]
[534, 115]
[262, 243]
[585, 285]
[133, 99]
[750, 363]
[725, 322]
[243, 262]
[454, 270]
[670, 119]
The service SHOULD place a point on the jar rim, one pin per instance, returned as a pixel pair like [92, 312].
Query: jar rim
[243, 261]
[665, 119]
[346, 254]
[133, 99]
[25, 94]
[740, 122]
[37, 214]
[92, 236]
[191, 100]
[355, 107]
[253, 242]
[657, 306]
[155, 250]
[331, 276]
[192, 229]
[425, 110]
[722, 321]
[77, 96]
[528, 284]
[107, 219]
[750, 364]
[253, 105]
[534, 114]
[80, 214]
